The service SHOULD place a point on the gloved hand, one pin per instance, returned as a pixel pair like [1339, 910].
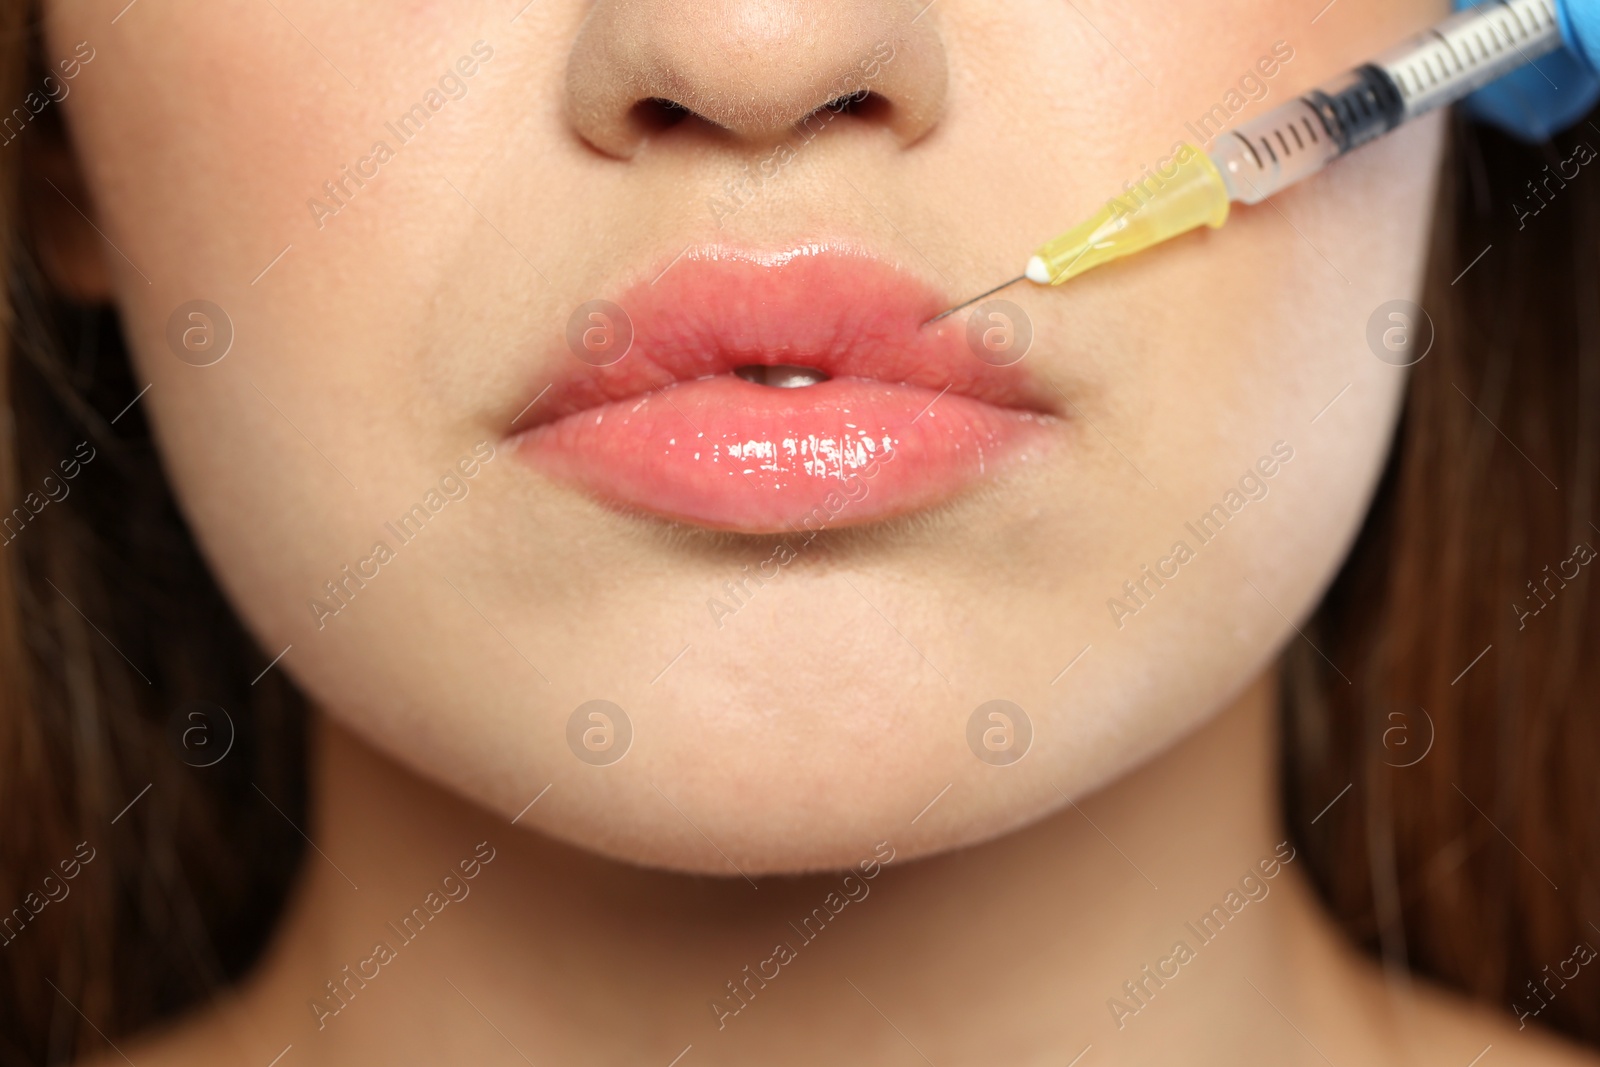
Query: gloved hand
[1552, 93]
[1580, 25]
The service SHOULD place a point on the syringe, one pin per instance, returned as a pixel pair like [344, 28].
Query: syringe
[1296, 140]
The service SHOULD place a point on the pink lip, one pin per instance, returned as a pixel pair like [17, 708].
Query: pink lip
[908, 418]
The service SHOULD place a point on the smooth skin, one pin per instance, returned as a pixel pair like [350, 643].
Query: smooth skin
[825, 723]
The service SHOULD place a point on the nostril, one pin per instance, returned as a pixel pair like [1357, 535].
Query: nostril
[657, 113]
[863, 104]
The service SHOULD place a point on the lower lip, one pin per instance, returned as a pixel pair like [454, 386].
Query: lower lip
[729, 454]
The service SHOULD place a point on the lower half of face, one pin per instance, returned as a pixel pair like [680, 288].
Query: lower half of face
[629, 466]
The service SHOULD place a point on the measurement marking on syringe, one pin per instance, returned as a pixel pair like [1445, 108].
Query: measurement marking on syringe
[1516, 14]
[1511, 37]
[1448, 54]
[1496, 31]
[1440, 74]
[1251, 148]
[1451, 48]
[1527, 59]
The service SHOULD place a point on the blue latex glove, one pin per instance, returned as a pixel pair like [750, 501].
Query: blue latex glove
[1552, 93]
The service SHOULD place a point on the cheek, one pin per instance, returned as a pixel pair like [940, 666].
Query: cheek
[1198, 359]
[206, 190]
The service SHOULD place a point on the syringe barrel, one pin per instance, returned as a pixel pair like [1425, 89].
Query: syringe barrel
[1438, 67]
[1272, 152]
[1469, 50]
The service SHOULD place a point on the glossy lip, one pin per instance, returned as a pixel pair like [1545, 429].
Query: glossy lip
[909, 417]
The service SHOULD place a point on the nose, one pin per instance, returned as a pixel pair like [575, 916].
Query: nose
[755, 69]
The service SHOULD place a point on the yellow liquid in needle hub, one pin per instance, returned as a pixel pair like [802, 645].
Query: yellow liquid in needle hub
[1158, 209]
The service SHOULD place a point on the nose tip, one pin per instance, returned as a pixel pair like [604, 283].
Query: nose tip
[754, 68]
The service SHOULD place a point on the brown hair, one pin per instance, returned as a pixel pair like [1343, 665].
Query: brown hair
[111, 916]
[110, 625]
[1459, 697]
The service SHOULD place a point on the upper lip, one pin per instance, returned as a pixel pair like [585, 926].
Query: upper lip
[836, 309]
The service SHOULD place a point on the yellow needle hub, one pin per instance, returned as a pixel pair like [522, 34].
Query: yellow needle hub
[1158, 209]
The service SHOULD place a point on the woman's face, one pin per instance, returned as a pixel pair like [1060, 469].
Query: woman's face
[468, 506]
